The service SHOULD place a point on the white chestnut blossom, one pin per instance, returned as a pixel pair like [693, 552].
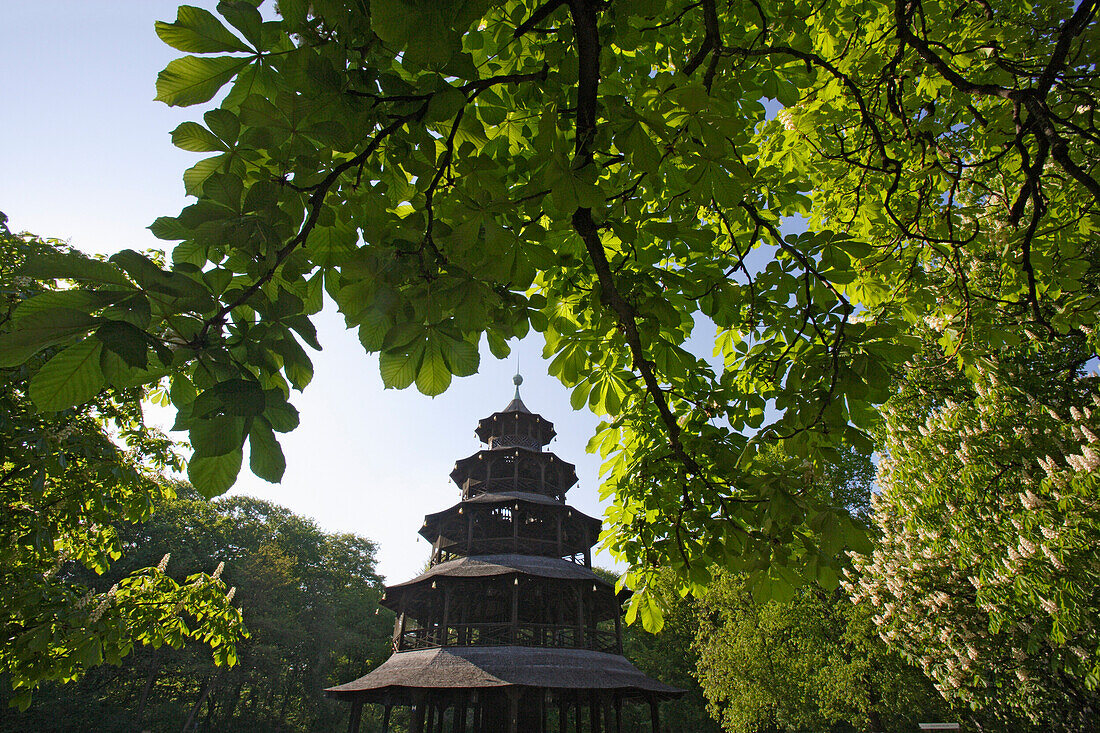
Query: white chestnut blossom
[978, 552]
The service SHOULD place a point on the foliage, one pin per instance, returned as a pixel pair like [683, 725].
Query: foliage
[811, 663]
[986, 572]
[609, 174]
[668, 656]
[310, 599]
[66, 486]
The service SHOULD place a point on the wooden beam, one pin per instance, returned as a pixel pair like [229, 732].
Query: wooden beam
[460, 720]
[513, 710]
[561, 550]
[444, 636]
[580, 617]
[355, 717]
[515, 610]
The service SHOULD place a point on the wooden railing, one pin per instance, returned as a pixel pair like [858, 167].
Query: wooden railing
[498, 634]
[513, 483]
[510, 544]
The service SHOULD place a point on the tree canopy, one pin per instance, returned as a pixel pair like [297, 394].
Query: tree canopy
[985, 573]
[70, 481]
[621, 178]
[310, 599]
[813, 662]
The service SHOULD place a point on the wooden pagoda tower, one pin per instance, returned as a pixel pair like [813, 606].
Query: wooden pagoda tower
[509, 630]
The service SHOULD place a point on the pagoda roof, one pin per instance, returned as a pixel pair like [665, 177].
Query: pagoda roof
[472, 667]
[518, 413]
[482, 566]
[507, 498]
[462, 464]
[517, 405]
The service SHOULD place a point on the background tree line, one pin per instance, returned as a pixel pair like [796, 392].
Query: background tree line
[310, 604]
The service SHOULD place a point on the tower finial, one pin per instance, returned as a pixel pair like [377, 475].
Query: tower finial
[517, 380]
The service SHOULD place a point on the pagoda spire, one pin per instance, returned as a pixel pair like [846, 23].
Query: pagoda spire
[516, 405]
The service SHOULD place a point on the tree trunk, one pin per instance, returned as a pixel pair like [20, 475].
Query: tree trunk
[230, 708]
[150, 680]
[206, 687]
[286, 701]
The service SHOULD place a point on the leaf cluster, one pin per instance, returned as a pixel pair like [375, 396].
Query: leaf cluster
[68, 480]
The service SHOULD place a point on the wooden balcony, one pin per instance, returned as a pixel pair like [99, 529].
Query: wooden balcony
[503, 634]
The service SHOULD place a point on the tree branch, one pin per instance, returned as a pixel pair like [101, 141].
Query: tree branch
[540, 14]
[316, 199]
[584, 14]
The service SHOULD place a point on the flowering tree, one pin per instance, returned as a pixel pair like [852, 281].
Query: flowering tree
[986, 571]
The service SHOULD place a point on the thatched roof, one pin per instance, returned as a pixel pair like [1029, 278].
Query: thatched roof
[472, 668]
[507, 497]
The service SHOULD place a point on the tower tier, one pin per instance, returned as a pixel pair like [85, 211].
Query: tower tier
[513, 522]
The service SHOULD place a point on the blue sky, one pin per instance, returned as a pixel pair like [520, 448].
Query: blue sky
[85, 155]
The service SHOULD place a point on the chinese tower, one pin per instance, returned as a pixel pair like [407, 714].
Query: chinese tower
[509, 629]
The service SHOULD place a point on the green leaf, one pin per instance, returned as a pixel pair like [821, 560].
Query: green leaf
[121, 375]
[72, 377]
[192, 294]
[498, 345]
[373, 327]
[198, 31]
[195, 176]
[265, 457]
[282, 415]
[332, 245]
[193, 79]
[39, 330]
[461, 357]
[85, 301]
[218, 435]
[445, 104]
[170, 228]
[196, 138]
[223, 123]
[214, 475]
[393, 21]
[72, 266]
[579, 396]
[242, 397]
[296, 363]
[304, 328]
[399, 368]
[653, 618]
[434, 377]
[127, 341]
[245, 18]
